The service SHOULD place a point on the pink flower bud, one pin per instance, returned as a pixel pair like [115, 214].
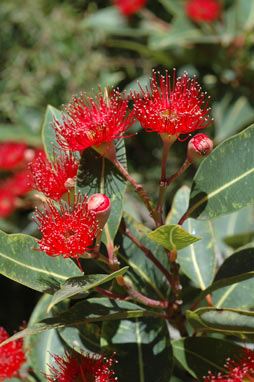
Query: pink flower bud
[199, 147]
[100, 204]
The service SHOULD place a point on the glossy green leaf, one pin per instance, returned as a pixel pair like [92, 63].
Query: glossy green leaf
[172, 236]
[197, 261]
[33, 268]
[236, 223]
[240, 294]
[82, 338]
[245, 13]
[48, 133]
[226, 321]
[110, 20]
[223, 183]
[82, 284]
[182, 31]
[145, 276]
[90, 310]
[179, 205]
[142, 343]
[232, 117]
[173, 6]
[239, 240]
[198, 355]
[43, 345]
[97, 174]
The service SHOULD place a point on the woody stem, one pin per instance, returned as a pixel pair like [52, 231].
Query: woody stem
[163, 185]
[138, 188]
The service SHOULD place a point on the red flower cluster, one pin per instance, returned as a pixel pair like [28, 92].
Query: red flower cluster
[203, 10]
[52, 179]
[11, 154]
[241, 370]
[68, 232]
[12, 356]
[13, 159]
[76, 367]
[173, 110]
[128, 7]
[92, 122]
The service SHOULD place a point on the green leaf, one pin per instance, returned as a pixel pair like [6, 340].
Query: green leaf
[43, 345]
[179, 205]
[82, 284]
[48, 133]
[33, 268]
[197, 261]
[239, 240]
[172, 237]
[230, 118]
[224, 182]
[82, 338]
[238, 295]
[245, 13]
[226, 321]
[198, 355]
[110, 21]
[237, 223]
[146, 277]
[226, 282]
[90, 310]
[97, 174]
[142, 343]
[173, 6]
[181, 33]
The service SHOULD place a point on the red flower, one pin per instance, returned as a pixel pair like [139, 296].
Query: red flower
[240, 370]
[53, 179]
[7, 201]
[67, 232]
[76, 367]
[93, 122]
[20, 183]
[11, 356]
[11, 154]
[175, 110]
[203, 10]
[128, 7]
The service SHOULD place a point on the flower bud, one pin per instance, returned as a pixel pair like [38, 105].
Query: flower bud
[199, 147]
[100, 204]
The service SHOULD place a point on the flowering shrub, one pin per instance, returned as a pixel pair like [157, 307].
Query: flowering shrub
[141, 282]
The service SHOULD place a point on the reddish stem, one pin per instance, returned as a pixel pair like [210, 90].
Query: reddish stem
[148, 253]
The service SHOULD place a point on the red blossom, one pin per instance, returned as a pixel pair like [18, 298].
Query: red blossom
[68, 232]
[128, 7]
[92, 122]
[52, 179]
[20, 183]
[7, 201]
[174, 109]
[81, 368]
[11, 154]
[239, 370]
[11, 356]
[203, 10]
